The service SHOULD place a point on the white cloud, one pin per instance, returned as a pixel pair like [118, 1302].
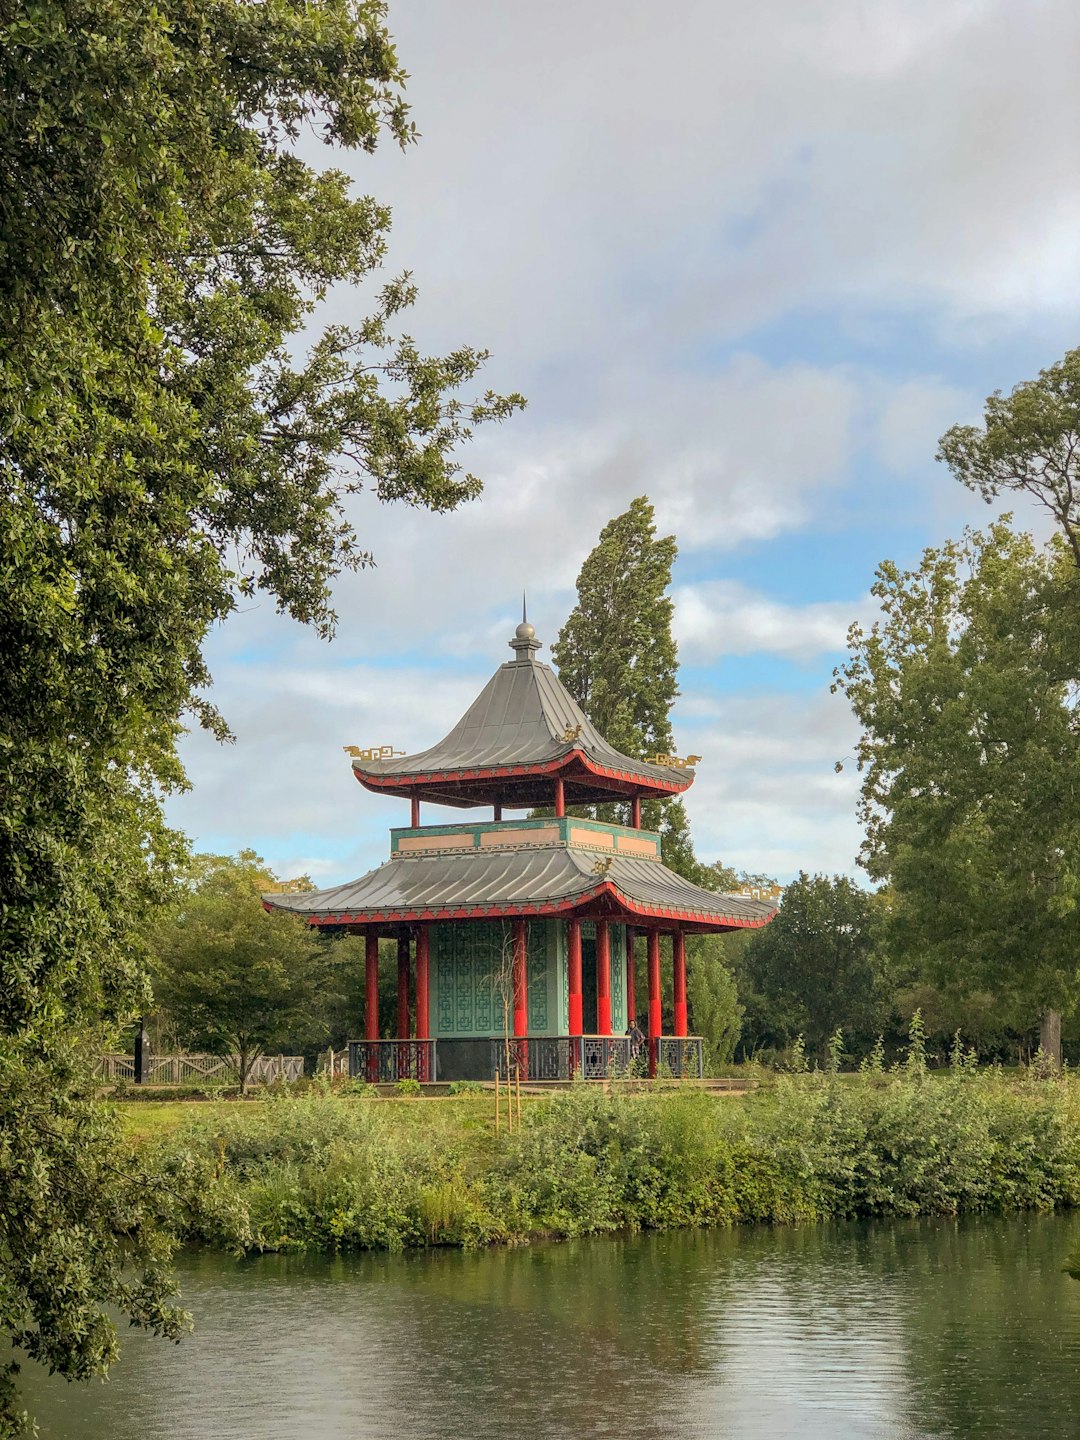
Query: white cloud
[723, 617]
[767, 797]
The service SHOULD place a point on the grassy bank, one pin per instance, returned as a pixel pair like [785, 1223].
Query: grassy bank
[354, 1173]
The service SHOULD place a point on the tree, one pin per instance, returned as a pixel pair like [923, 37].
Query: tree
[816, 968]
[617, 657]
[167, 448]
[715, 1012]
[235, 979]
[966, 690]
[1030, 444]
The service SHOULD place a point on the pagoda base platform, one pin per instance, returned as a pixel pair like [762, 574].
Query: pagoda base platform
[538, 1058]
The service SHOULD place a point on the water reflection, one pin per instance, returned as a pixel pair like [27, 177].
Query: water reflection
[857, 1332]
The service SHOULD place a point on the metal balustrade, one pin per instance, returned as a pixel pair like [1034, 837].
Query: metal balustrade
[533, 1058]
[384, 1062]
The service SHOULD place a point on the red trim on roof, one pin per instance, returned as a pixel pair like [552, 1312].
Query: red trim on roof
[608, 890]
[374, 781]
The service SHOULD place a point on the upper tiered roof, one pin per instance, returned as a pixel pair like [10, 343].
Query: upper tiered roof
[522, 732]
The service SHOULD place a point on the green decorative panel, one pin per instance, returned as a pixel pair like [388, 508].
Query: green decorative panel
[466, 959]
[619, 1020]
[563, 969]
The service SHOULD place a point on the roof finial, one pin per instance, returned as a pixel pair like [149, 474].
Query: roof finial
[524, 643]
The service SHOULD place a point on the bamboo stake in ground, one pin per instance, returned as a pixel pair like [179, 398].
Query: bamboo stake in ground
[496, 1100]
[517, 1078]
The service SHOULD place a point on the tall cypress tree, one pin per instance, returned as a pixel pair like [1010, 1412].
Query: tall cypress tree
[617, 657]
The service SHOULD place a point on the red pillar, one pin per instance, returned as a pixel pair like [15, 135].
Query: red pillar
[678, 952]
[573, 964]
[635, 812]
[521, 993]
[631, 998]
[654, 999]
[371, 977]
[414, 811]
[560, 798]
[403, 987]
[603, 978]
[423, 1007]
[371, 1005]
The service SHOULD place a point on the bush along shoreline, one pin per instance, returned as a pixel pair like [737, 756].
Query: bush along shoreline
[337, 1174]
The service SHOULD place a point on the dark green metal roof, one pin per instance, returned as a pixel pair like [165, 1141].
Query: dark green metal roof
[534, 881]
[523, 723]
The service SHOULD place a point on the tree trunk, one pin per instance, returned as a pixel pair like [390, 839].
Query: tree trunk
[244, 1067]
[1050, 1036]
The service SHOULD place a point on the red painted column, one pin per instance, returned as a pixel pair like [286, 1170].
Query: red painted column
[655, 1016]
[635, 812]
[631, 998]
[678, 955]
[423, 1004]
[560, 798]
[414, 811]
[521, 992]
[573, 964]
[403, 987]
[603, 978]
[371, 1003]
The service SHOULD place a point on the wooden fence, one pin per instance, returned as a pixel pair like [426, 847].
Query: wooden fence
[194, 1069]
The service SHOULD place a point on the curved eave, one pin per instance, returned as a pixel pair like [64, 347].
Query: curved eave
[501, 885]
[570, 765]
[626, 909]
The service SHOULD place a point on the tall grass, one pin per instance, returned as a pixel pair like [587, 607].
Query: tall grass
[340, 1174]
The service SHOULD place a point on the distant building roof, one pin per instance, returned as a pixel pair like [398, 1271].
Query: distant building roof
[522, 731]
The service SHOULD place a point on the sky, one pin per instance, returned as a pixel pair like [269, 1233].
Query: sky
[748, 260]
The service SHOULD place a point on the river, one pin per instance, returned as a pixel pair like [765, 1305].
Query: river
[884, 1331]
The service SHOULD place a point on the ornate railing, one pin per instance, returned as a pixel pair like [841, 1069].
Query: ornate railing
[383, 1062]
[537, 1058]
[565, 1057]
[681, 1056]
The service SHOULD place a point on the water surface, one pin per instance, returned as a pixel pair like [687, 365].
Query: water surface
[889, 1331]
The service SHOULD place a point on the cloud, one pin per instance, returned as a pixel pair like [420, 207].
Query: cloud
[767, 797]
[723, 617]
[653, 215]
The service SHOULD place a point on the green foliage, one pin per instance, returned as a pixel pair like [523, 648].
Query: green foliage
[966, 694]
[61, 1185]
[321, 1173]
[234, 978]
[617, 657]
[714, 1009]
[170, 443]
[408, 1087]
[1028, 445]
[466, 1087]
[816, 966]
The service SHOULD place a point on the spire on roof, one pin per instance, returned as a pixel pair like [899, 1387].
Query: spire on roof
[524, 644]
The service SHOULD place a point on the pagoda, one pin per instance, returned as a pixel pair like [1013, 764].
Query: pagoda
[515, 936]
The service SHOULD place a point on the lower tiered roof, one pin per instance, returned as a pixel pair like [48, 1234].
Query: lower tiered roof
[541, 867]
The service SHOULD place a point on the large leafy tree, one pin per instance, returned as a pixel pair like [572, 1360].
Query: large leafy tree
[172, 438]
[235, 979]
[816, 968]
[966, 690]
[1028, 444]
[618, 658]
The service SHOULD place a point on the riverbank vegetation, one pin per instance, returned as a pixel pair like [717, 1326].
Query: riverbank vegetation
[326, 1172]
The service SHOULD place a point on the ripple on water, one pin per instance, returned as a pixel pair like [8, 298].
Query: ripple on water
[921, 1330]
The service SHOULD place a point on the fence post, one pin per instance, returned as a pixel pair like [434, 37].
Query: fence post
[142, 1054]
